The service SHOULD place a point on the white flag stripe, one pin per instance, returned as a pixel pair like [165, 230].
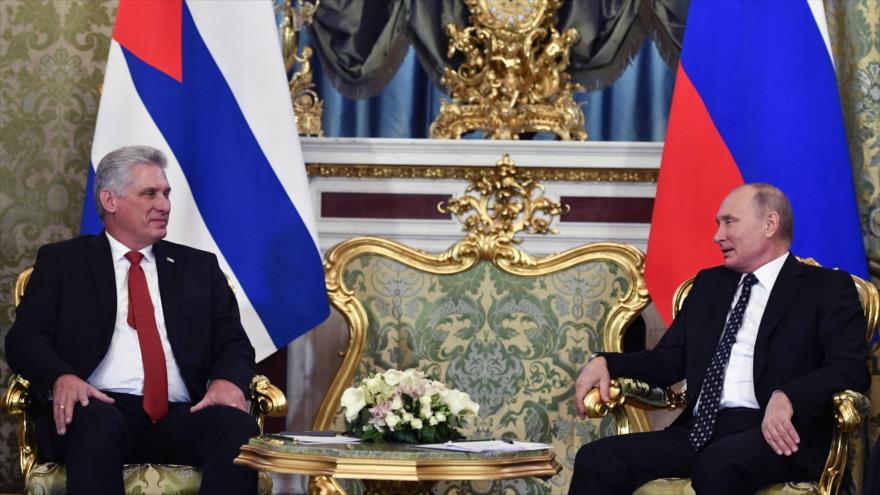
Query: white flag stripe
[273, 125]
[817, 8]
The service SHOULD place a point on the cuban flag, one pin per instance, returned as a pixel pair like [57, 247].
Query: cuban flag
[755, 100]
[204, 82]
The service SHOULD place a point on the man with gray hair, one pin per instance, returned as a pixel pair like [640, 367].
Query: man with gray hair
[134, 345]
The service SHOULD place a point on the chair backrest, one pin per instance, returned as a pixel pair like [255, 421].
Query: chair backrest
[485, 317]
[20, 283]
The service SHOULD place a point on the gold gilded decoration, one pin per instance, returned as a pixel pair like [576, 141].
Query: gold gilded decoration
[850, 411]
[21, 283]
[16, 403]
[307, 106]
[634, 393]
[324, 462]
[266, 400]
[324, 485]
[383, 487]
[543, 174]
[490, 236]
[507, 204]
[513, 79]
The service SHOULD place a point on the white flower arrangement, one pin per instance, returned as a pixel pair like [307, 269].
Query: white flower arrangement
[404, 406]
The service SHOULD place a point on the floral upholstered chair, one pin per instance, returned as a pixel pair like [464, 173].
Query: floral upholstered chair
[848, 447]
[49, 478]
[489, 319]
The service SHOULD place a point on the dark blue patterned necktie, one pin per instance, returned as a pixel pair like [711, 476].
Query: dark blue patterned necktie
[710, 395]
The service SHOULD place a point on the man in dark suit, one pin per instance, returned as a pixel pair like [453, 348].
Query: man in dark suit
[133, 345]
[763, 343]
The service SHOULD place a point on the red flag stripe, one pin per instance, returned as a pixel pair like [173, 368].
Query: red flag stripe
[696, 173]
[152, 31]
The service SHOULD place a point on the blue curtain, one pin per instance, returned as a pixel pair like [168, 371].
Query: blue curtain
[634, 108]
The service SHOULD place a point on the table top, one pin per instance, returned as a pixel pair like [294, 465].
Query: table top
[391, 461]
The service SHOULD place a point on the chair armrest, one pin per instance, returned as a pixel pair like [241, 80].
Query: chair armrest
[266, 400]
[15, 403]
[850, 410]
[635, 393]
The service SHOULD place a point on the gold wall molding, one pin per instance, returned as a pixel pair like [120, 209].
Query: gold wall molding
[454, 172]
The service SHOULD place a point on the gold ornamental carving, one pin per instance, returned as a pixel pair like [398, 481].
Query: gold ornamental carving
[456, 172]
[513, 79]
[307, 106]
[505, 204]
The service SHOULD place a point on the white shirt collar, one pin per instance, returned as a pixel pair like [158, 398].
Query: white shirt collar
[119, 250]
[769, 272]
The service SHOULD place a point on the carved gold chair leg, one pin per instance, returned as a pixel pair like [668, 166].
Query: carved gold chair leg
[324, 485]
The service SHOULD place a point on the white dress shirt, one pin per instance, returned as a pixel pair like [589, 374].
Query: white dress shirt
[739, 386]
[122, 369]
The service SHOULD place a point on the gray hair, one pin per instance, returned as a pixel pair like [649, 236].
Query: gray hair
[769, 198]
[114, 170]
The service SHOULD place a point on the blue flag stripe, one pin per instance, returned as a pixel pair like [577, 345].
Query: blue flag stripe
[91, 224]
[775, 102]
[244, 205]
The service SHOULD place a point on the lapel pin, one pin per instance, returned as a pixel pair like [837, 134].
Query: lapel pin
[170, 259]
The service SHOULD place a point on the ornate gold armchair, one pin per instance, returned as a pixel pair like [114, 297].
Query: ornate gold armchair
[147, 479]
[486, 317]
[851, 410]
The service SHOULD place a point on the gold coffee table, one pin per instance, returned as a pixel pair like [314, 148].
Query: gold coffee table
[389, 462]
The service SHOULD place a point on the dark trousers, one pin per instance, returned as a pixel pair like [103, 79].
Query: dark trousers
[872, 477]
[102, 437]
[736, 461]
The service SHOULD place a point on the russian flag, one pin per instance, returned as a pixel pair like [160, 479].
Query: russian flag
[204, 81]
[755, 100]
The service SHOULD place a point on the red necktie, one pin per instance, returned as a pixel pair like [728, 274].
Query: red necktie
[142, 318]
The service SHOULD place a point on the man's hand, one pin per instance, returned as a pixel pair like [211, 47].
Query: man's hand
[777, 427]
[67, 390]
[595, 374]
[221, 393]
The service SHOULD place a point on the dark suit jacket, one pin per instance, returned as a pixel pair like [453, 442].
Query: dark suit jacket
[810, 345]
[67, 316]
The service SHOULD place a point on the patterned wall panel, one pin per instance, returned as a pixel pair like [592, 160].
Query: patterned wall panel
[855, 38]
[52, 57]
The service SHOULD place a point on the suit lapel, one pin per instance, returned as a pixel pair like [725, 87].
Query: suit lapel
[783, 293]
[169, 286]
[100, 260]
